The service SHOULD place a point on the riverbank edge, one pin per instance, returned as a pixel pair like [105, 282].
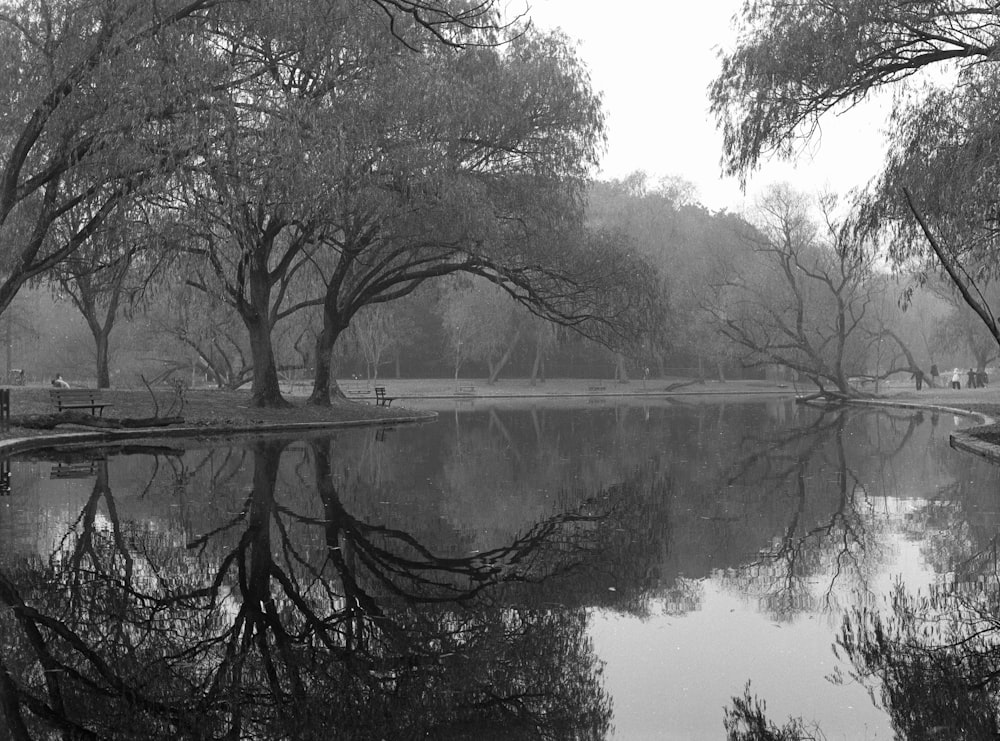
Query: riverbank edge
[12, 446]
[964, 440]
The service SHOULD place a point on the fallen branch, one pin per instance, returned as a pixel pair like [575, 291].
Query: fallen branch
[681, 384]
[50, 421]
[826, 396]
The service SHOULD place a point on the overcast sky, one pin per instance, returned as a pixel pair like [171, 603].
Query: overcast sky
[653, 61]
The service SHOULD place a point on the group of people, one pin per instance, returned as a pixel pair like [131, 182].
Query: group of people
[974, 379]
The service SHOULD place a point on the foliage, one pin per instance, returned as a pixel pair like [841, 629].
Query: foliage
[793, 62]
[101, 100]
[688, 246]
[476, 163]
[796, 61]
[932, 661]
[746, 720]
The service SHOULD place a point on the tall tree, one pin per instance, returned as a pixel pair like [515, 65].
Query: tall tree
[474, 162]
[806, 298]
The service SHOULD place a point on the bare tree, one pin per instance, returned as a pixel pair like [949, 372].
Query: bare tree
[806, 298]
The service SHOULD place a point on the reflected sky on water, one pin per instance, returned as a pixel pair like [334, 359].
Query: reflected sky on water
[518, 570]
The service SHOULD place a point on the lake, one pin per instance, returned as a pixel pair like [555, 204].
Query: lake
[513, 570]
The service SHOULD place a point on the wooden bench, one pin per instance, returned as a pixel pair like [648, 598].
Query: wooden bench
[381, 400]
[74, 470]
[356, 389]
[465, 390]
[596, 388]
[65, 399]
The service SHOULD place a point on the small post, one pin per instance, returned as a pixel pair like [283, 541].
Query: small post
[5, 406]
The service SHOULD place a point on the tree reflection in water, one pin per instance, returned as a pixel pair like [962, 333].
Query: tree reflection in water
[931, 661]
[284, 623]
[438, 583]
[829, 546]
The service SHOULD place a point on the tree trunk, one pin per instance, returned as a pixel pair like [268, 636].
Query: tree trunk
[504, 359]
[621, 373]
[265, 390]
[537, 364]
[103, 366]
[325, 387]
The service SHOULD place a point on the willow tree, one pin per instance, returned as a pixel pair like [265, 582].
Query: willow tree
[473, 161]
[795, 62]
[89, 117]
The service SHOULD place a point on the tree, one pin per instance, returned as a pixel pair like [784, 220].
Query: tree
[204, 327]
[796, 61]
[101, 99]
[806, 297]
[689, 246]
[474, 162]
[371, 331]
[106, 100]
[106, 275]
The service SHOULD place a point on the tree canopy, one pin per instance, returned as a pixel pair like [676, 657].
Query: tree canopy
[795, 61]
[358, 148]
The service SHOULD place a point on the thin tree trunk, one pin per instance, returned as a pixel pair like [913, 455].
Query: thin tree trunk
[537, 364]
[103, 366]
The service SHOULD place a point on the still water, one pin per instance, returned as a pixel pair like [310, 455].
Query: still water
[514, 571]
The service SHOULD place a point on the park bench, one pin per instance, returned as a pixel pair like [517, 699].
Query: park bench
[465, 390]
[82, 470]
[596, 388]
[357, 388]
[381, 399]
[66, 399]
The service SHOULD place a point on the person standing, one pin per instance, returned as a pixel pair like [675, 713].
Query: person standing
[935, 376]
[956, 380]
[970, 382]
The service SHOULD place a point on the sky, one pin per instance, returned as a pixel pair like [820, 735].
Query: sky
[653, 61]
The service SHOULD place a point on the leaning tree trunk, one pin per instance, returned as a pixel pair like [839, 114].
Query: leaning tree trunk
[504, 359]
[325, 388]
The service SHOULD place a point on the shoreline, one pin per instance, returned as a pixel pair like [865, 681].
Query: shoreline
[218, 413]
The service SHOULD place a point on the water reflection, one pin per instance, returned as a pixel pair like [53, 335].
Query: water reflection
[443, 581]
[287, 600]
